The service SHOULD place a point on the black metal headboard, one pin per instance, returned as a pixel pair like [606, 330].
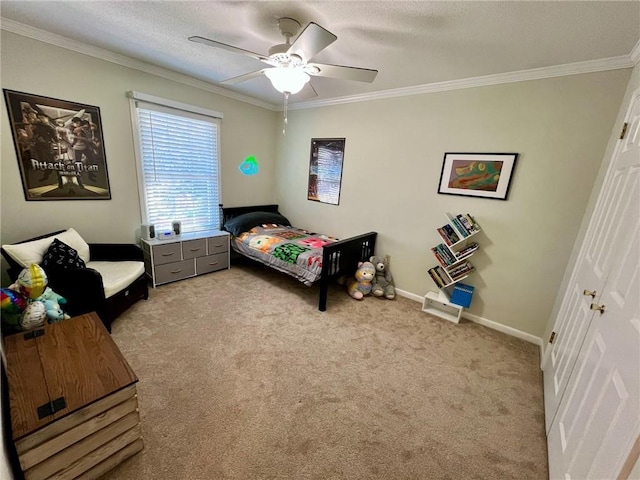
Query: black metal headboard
[231, 212]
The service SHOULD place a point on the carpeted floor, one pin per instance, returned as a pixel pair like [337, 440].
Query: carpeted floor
[241, 377]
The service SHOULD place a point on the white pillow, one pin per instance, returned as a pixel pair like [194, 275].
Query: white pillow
[75, 241]
[32, 252]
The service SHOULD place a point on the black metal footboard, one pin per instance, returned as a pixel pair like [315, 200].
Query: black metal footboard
[342, 257]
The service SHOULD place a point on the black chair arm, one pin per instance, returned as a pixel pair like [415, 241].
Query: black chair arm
[82, 288]
[115, 252]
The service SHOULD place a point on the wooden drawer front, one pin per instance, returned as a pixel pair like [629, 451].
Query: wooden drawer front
[212, 263]
[194, 248]
[175, 271]
[80, 441]
[168, 253]
[218, 244]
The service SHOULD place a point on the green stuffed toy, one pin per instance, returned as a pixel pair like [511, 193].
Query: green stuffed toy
[359, 285]
[54, 311]
[52, 303]
[382, 283]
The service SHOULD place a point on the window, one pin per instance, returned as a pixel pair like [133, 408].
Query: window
[178, 164]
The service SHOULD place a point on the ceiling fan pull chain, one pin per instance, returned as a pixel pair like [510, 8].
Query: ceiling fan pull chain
[286, 105]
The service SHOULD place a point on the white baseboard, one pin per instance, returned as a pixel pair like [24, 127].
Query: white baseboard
[527, 337]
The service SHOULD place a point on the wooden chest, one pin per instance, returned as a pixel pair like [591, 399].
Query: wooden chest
[73, 401]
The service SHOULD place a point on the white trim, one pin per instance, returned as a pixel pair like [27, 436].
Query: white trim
[612, 63]
[125, 61]
[634, 56]
[137, 153]
[527, 337]
[143, 97]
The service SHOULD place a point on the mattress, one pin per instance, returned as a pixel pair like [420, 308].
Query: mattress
[290, 250]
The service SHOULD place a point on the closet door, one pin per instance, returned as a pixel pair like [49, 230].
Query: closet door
[597, 419]
[593, 267]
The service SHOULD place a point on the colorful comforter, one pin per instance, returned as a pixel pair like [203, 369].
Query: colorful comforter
[287, 249]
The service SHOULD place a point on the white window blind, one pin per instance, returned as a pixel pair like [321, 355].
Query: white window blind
[179, 166]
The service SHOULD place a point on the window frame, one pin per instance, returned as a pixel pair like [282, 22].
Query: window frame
[172, 107]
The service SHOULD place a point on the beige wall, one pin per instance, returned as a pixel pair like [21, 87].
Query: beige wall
[393, 159]
[632, 86]
[559, 126]
[34, 67]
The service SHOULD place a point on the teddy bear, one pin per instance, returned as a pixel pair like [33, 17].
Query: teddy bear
[382, 283]
[360, 284]
[54, 311]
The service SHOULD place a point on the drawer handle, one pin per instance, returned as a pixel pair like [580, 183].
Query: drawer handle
[217, 245]
[168, 254]
[176, 271]
[214, 263]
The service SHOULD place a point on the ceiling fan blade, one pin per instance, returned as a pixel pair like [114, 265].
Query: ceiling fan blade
[230, 48]
[312, 40]
[242, 78]
[344, 73]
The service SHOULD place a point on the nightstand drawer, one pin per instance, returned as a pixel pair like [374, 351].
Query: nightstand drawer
[211, 263]
[194, 248]
[175, 271]
[218, 244]
[186, 255]
[171, 252]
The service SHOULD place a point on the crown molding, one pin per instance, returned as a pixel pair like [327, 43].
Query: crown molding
[125, 61]
[612, 63]
[634, 56]
[591, 66]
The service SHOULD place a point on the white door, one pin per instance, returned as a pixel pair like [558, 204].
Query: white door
[592, 269]
[596, 419]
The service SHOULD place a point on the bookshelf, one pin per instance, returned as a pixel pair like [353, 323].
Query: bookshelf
[452, 254]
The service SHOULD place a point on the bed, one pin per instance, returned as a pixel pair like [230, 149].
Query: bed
[260, 233]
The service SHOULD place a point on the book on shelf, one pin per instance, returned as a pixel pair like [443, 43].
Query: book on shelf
[450, 234]
[463, 270]
[446, 254]
[439, 257]
[466, 223]
[444, 236]
[435, 277]
[474, 225]
[467, 251]
[463, 223]
[462, 295]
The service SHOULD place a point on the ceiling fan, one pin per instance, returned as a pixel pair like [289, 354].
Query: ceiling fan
[290, 65]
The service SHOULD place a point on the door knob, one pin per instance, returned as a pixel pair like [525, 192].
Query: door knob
[591, 293]
[599, 308]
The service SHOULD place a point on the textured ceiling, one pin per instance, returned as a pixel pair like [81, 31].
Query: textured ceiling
[410, 43]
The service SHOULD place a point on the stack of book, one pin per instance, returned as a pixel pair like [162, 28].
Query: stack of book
[448, 234]
[467, 251]
[444, 255]
[465, 224]
[460, 271]
[438, 276]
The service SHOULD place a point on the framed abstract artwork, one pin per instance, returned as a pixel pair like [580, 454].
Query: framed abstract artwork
[484, 175]
[325, 170]
[60, 148]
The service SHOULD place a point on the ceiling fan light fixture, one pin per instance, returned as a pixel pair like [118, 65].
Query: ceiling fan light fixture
[287, 80]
